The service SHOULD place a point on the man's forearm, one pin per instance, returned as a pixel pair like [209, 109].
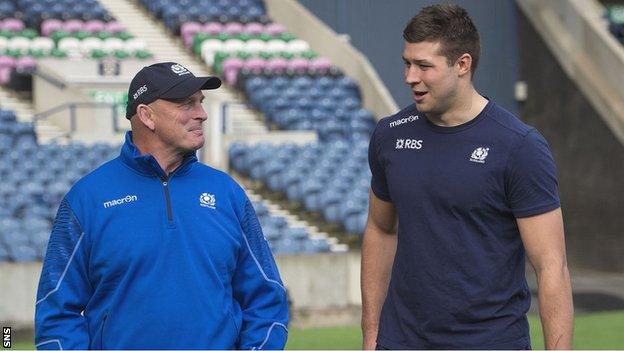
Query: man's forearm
[556, 307]
[378, 250]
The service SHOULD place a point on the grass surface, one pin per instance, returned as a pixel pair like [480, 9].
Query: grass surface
[591, 331]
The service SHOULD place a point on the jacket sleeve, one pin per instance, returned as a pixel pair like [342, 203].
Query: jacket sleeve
[259, 290]
[64, 288]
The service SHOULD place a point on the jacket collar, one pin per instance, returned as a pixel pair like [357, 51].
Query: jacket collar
[147, 164]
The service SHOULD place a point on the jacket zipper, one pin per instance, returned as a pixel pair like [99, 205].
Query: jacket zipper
[165, 184]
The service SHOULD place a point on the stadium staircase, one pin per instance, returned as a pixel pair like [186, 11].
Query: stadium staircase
[166, 47]
[293, 220]
[24, 111]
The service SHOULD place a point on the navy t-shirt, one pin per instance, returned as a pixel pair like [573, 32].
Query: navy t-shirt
[458, 276]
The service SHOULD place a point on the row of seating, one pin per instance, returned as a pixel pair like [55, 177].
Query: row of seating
[34, 12]
[279, 87]
[174, 13]
[208, 49]
[231, 66]
[190, 30]
[52, 25]
[286, 239]
[332, 178]
[69, 45]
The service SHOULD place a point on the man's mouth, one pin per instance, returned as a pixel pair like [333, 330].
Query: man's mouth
[420, 93]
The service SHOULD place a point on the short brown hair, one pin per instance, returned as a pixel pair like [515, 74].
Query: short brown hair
[451, 26]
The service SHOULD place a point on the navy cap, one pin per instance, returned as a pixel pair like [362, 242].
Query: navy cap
[165, 80]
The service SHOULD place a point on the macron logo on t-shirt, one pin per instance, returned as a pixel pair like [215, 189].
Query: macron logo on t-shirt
[401, 121]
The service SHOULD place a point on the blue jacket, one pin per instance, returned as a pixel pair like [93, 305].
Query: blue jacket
[139, 260]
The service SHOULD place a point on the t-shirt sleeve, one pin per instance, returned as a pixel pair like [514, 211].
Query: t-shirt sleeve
[532, 178]
[378, 180]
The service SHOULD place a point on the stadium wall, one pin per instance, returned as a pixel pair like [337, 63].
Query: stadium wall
[324, 290]
[375, 28]
[589, 156]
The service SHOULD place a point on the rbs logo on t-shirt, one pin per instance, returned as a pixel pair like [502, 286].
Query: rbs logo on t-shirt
[409, 144]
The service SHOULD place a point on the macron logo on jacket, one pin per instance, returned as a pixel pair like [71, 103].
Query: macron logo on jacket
[123, 200]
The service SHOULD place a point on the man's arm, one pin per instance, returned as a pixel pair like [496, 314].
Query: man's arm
[259, 290]
[64, 288]
[544, 242]
[378, 250]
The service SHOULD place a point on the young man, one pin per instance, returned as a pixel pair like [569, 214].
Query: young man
[468, 187]
[154, 250]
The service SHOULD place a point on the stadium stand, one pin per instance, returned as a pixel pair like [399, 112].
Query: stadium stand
[295, 89]
[35, 29]
[35, 177]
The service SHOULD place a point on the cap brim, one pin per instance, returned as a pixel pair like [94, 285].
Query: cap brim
[190, 86]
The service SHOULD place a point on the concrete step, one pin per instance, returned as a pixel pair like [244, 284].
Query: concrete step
[294, 221]
[24, 111]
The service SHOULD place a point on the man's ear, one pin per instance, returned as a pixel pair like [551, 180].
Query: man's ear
[146, 116]
[464, 62]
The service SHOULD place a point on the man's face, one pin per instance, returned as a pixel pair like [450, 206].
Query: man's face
[432, 81]
[178, 124]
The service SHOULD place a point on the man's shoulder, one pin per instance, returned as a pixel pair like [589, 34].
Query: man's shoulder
[101, 175]
[404, 117]
[508, 122]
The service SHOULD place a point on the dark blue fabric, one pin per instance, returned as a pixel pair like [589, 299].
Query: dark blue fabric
[140, 280]
[458, 277]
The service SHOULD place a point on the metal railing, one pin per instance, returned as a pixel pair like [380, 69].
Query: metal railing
[73, 117]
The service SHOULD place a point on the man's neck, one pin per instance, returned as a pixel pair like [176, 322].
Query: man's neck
[466, 107]
[168, 159]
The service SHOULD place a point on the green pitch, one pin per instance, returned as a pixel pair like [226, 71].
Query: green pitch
[592, 331]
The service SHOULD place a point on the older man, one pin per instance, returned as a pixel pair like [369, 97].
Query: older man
[154, 250]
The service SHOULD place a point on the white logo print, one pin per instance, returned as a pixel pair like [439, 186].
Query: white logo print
[479, 154]
[139, 91]
[123, 200]
[408, 144]
[398, 122]
[179, 69]
[208, 200]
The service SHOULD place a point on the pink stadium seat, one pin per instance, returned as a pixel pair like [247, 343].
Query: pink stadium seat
[274, 28]
[277, 64]
[7, 62]
[231, 66]
[5, 75]
[253, 28]
[188, 30]
[233, 28]
[26, 63]
[12, 24]
[94, 26]
[73, 26]
[50, 26]
[255, 64]
[114, 27]
[299, 65]
[213, 28]
[320, 64]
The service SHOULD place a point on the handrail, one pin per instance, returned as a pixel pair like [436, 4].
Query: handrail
[72, 107]
[48, 78]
